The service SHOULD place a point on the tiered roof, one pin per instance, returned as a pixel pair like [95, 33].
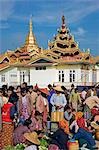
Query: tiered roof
[62, 50]
[67, 49]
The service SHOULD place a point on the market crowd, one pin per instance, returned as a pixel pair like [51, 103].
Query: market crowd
[27, 114]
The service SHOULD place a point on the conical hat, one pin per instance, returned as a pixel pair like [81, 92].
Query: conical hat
[45, 91]
[58, 88]
[32, 137]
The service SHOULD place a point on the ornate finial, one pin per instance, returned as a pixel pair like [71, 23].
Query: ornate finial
[88, 50]
[30, 24]
[63, 27]
[63, 19]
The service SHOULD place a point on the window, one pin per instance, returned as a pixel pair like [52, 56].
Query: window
[29, 76]
[94, 77]
[25, 76]
[3, 78]
[61, 76]
[82, 76]
[87, 75]
[72, 76]
[13, 78]
[40, 68]
[22, 77]
[13, 75]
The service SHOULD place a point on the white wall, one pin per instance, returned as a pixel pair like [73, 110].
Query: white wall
[43, 77]
[97, 73]
[13, 80]
[8, 80]
[66, 69]
[6, 73]
[90, 75]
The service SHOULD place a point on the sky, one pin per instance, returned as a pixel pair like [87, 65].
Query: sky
[82, 18]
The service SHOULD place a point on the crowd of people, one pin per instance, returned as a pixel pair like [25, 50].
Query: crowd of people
[27, 110]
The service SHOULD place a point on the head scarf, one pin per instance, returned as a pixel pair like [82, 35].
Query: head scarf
[63, 124]
[78, 115]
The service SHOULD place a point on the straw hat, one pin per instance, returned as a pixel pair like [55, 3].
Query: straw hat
[58, 88]
[32, 137]
[45, 91]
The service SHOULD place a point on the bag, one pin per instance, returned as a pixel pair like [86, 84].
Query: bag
[57, 116]
[97, 135]
[73, 145]
[53, 147]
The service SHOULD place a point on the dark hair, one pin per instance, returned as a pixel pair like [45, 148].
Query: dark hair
[37, 113]
[30, 87]
[44, 95]
[67, 107]
[4, 87]
[13, 98]
[11, 88]
[72, 85]
[49, 86]
[18, 87]
[73, 110]
[1, 91]
[25, 83]
[23, 90]
[76, 89]
[27, 122]
[63, 88]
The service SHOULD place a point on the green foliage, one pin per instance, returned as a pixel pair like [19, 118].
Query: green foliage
[43, 148]
[20, 146]
[43, 142]
[9, 147]
[17, 147]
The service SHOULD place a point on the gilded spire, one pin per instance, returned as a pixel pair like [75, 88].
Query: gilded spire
[30, 39]
[30, 42]
[31, 25]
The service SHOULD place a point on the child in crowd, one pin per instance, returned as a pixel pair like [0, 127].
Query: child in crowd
[68, 113]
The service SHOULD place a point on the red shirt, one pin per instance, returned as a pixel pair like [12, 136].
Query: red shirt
[6, 112]
[81, 123]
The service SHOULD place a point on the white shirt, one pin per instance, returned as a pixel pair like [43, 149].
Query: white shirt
[74, 123]
[32, 147]
[83, 94]
[58, 100]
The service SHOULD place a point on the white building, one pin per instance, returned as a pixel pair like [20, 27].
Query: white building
[62, 63]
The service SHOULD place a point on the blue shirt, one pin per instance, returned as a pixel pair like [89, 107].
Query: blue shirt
[49, 96]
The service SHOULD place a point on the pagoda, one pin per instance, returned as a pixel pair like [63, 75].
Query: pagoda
[62, 63]
[67, 49]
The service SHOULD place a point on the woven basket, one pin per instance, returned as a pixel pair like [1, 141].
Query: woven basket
[97, 135]
[57, 116]
[73, 145]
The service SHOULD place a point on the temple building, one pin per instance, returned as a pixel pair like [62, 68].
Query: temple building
[62, 63]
